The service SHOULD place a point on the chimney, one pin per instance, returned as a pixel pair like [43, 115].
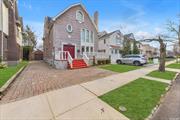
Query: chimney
[96, 17]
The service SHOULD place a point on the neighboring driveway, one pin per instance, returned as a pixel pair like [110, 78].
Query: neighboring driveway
[39, 77]
[170, 108]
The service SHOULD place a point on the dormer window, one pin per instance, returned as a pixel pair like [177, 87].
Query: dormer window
[79, 16]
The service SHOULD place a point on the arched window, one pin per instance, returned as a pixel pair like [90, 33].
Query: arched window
[79, 16]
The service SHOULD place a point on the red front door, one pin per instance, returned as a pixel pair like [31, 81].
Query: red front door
[70, 49]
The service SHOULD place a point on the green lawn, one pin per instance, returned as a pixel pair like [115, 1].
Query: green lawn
[168, 75]
[120, 68]
[174, 65]
[139, 97]
[7, 73]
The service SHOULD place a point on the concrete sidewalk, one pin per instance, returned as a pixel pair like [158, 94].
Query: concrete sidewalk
[68, 103]
[75, 102]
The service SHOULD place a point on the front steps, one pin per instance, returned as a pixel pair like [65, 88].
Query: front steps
[77, 64]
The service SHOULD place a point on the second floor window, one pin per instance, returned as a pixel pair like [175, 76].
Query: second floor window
[92, 37]
[87, 36]
[104, 41]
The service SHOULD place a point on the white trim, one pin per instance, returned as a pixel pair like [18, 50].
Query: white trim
[55, 18]
[69, 31]
[82, 16]
[64, 43]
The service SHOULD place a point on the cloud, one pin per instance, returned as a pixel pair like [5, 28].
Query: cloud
[143, 34]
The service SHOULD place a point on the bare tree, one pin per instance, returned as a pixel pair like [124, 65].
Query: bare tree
[175, 28]
[161, 39]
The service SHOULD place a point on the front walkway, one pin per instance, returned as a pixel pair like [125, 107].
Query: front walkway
[75, 102]
[39, 78]
[170, 108]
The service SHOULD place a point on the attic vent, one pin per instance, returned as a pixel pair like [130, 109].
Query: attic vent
[80, 16]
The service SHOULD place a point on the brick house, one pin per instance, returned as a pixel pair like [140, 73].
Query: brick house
[10, 32]
[69, 36]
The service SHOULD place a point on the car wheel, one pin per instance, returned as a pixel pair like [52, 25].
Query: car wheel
[137, 63]
[119, 62]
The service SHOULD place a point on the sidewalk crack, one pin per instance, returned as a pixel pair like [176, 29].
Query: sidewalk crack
[50, 107]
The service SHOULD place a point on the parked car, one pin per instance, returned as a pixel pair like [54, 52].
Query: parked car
[132, 59]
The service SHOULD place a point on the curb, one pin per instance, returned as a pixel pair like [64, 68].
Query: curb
[6, 85]
[155, 109]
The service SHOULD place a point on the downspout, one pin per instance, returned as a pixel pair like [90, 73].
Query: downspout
[2, 35]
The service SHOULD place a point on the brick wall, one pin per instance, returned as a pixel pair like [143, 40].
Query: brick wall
[13, 48]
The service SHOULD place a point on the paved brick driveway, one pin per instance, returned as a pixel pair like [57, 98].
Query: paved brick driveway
[38, 77]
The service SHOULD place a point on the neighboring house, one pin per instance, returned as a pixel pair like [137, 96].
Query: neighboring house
[10, 32]
[148, 50]
[170, 54]
[68, 36]
[131, 38]
[110, 43]
[37, 55]
[176, 49]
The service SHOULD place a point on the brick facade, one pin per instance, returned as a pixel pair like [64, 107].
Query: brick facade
[12, 51]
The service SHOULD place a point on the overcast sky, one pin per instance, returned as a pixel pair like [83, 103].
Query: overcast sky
[144, 18]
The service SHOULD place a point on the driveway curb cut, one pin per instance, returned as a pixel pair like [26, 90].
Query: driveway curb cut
[6, 85]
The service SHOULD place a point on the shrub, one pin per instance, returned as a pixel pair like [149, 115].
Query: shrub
[102, 62]
[2, 66]
[26, 52]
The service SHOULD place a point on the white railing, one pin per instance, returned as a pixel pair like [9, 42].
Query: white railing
[69, 59]
[64, 55]
[102, 56]
[98, 55]
[86, 59]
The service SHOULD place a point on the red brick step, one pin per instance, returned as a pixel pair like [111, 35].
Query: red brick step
[78, 63]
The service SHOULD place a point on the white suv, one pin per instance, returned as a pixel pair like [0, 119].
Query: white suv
[132, 59]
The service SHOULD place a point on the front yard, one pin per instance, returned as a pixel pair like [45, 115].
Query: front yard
[120, 68]
[138, 97]
[7, 73]
[167, 75]
[174, 65]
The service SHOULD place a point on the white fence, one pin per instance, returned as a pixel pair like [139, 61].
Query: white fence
[115, 57]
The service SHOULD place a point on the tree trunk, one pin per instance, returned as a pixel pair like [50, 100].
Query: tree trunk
[162, 56]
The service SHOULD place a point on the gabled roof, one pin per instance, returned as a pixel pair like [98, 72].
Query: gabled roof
[74, 5]
[130, 35]
[109, 34]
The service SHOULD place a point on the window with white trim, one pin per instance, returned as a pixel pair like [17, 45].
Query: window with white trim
[87, 36]
[79, 16]
[92, 50]
[92, 37]
[69, 28]
[83, 35]
[87, 49]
